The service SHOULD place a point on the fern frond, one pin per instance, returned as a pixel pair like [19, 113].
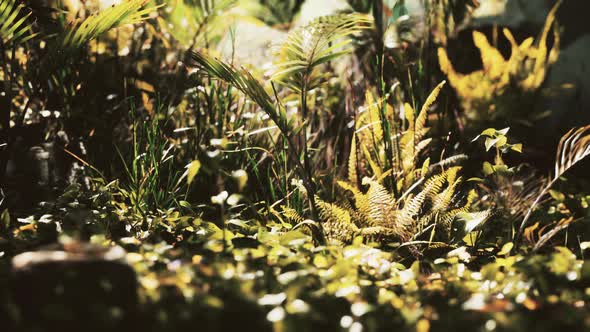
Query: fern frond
[542, 59]
[443, 200]
[352, 163]
[337, 223]
[493, 61]
[449, 161]
[318, 42]
[381, 205]
[292, 216]
[368, 124]
[422, 145]
[414, 215]
[487, 93]
[434, 185]
[421, 118]
[375, 167]
[361, 201]
[13, 26]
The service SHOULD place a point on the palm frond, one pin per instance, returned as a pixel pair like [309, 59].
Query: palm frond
[13, 25]
[573, 147]
[127, 12]
[190, 20]
[243, 81]
[320, 41]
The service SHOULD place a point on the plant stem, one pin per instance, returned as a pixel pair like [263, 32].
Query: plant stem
[5, 105]
[310, 186]
[378, 17]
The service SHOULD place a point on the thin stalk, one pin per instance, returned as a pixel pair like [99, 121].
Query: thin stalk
[223, 227]
[6, 105]
[378, 17]
[310, 187]
[304, 170]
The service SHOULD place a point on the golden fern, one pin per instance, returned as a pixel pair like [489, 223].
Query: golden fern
[410, 142]
[427, 202]
[352, 162]
[292, 216]
[337, 223]
[486, 93]
[13, 26]
[375, 215]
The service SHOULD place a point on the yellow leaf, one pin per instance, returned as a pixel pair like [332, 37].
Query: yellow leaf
[423, 325]
[528, 232]
[192, 170]
[487, 168]
[506, 249]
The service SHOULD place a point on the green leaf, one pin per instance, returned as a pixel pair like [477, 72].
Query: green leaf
[517, 147]
[471, 238]
[503, 169]
[323, 39]
[473, 220]
[502, 140]
[503, 131]
[490, 142]
[293, 238]
[506, 248]
[558, 196]
[185, 204]
[490, 132]
[5, 220]
[487, 168]
[12, 22]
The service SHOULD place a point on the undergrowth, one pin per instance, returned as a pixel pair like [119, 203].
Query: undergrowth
[342, 185]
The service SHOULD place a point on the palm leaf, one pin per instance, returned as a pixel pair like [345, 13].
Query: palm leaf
[243, 81]
[573, 147]
[13, 26]
[318, 42]
[127, 12]
[192, 19]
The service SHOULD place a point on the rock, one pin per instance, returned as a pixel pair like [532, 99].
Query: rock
[252, 44]
[80, 287]
[313, 9]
